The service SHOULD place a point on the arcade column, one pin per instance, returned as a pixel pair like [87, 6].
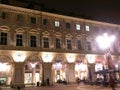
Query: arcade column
[18, 75]
[47, 73]
[70, 73]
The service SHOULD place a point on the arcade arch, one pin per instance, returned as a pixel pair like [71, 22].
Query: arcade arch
[59, 69]
[6, 69]
[33, 70]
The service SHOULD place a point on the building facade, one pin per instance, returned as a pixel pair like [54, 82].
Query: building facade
[37, 45]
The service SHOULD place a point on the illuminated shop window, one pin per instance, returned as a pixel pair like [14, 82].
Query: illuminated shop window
[57, 24]
[57, 66]
[77, 27]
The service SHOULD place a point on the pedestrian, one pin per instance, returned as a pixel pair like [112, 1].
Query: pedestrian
[48, 82]
[112, 83]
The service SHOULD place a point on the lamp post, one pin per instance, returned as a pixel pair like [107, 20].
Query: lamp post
[105, 42]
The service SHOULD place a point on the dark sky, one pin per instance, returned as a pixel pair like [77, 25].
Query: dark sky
[102, 10]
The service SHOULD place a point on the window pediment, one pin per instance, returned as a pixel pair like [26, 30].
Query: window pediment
[19, 30]
[34, 31]
[5, 28]
[68, 36]
[46, 33]
[58, 34]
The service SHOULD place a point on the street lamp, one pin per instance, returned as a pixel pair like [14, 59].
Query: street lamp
[105, 42]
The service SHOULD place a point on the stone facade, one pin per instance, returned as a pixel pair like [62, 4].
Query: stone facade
[34, 41]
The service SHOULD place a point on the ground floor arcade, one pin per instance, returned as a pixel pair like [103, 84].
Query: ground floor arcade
[28, 68]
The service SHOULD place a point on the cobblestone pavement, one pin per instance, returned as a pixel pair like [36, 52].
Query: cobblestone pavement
[66, 87]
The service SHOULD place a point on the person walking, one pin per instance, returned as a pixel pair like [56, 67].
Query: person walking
[112, 82]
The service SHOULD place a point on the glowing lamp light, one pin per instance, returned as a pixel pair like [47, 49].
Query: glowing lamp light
[33, 65]
[19, 57]
[70, 58]
[105, 40]
[47, 57]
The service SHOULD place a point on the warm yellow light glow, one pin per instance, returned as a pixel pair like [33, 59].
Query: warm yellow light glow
[91, 58]
[70, 58]
[33, 65]
[47, 57]
[105, 40]
[4, 67]
[19, 56]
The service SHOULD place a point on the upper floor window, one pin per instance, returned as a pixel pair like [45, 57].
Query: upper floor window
[45, 21]
[77, 27]
[19, 40]
[46, 42]
[69, 44]
[3, 38]
[58, 45]
[79, 44]
[4, 15]
[33, 41]
[5, 1]
[33, 20]
[89, 47]
[57, 24]
[19, 17]
[68, 25]
[87, 28]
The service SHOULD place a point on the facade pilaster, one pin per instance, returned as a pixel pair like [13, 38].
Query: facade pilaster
[47, 73]
[70, 73]
[18, 75]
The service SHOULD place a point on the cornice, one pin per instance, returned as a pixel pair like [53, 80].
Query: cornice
[18, 9]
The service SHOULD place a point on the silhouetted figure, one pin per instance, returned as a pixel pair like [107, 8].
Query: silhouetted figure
[112, 83]
[18, 87]
[48, 82]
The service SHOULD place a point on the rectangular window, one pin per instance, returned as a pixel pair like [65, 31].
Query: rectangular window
[3, 38]
[33, 41]
[77, 27]
[19, 17]
[79, 45]
[33, 20]
[68, 25]
[46, 42]
[3, 15]
[45, 21]
[89, 46]
[87, 28]
[69, 44]
[58, 46]
[57, 24]
[19, 40]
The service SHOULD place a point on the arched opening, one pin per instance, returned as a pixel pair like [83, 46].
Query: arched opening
[6, 70]
[33, 71]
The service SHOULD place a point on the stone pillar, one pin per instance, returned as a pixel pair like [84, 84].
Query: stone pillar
[47, 73]
[33, 75]
[18, 75]
[70, 73]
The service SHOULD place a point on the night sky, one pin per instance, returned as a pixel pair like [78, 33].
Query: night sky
[101, 10]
